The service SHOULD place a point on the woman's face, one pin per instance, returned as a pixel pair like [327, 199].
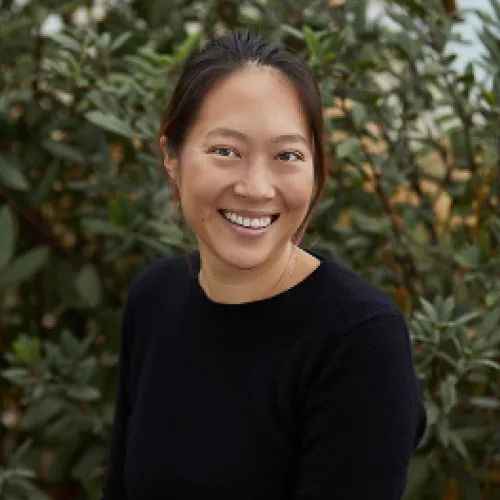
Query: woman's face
[245, 174]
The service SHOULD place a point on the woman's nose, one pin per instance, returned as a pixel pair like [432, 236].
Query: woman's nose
[255, 182]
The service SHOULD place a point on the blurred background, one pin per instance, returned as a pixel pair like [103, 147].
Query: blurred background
[411, 92]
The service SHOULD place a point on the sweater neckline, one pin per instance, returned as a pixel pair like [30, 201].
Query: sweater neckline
[270, 302]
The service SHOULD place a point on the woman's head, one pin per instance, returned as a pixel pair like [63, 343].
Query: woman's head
[242, 139]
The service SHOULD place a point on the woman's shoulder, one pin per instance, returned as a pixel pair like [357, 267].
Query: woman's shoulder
[340, 289]
[353, 315]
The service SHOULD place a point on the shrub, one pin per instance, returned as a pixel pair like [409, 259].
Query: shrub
[411, 204]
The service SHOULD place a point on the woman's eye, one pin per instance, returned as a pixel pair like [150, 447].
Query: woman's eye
[290, 156]
[231, 153]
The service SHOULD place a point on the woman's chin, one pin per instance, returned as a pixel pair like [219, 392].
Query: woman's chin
[245, 254]
[239, 257]
[244, 261]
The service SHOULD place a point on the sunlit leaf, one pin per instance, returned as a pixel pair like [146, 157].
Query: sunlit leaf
[187, 47]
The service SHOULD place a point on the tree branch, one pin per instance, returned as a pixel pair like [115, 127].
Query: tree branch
[407, 266]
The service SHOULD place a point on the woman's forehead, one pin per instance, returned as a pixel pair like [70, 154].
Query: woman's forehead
[254, 100]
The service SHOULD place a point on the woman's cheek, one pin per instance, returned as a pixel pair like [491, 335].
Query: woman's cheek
[298, 192]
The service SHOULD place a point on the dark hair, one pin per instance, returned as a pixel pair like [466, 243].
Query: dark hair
[226, 55]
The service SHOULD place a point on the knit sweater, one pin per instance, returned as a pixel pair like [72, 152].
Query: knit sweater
[307, 395]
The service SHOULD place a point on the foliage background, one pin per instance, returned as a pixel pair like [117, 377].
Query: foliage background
[411, 204]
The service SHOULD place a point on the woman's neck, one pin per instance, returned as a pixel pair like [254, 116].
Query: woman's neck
[225, 284]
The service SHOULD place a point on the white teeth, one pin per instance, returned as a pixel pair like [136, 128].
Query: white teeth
[246, 221]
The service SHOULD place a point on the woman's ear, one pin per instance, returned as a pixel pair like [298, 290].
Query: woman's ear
[170, 163]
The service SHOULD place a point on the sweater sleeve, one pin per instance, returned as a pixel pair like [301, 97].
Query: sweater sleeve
[114, 485]
[363, 416]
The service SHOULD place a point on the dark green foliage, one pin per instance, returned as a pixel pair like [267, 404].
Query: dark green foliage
[411, 203]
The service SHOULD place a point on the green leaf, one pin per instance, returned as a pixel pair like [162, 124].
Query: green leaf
[27, 349]
[63, 429]
[7, 236]
[485, 402]
[469, 489]
[429, 309]
[418, 472]
[488, 363]
[183, 53]
[491, 320]
[433, 68]
[66, 41]
[63, 151]
[490, 42]
[432, 412]
[11, 177]
[457, 442]
[369, 224]
[16, 376]
[20, 453]
[88, 286]
[41, 411]
[82, 393]
[110, 123]
[91, 460]
[100, 226]
[119, 41]
[69, 344]
[38, 195]
[445, 308]
[448, 393]
[402, 18]
[312, 43]
[496, 6]
[347, 148]
[358, 113]
[85, 370]
[24, 267]
[466, 318]
[492, 298]
[443, 430]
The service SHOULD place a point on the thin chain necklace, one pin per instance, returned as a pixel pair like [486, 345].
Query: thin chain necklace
[286, 273]
[281, 280]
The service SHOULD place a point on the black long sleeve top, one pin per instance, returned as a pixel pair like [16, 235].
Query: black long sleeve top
[308, 395]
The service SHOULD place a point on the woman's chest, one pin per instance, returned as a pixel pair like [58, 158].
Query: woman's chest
[211, 420]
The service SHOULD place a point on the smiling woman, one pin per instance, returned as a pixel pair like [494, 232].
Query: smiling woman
[245, 178]
[269, 373]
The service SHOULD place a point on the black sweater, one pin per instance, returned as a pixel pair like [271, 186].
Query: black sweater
[308, 395]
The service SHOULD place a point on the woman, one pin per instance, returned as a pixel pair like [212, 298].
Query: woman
[253, 369]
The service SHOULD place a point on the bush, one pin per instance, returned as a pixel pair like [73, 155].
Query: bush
[411, 204]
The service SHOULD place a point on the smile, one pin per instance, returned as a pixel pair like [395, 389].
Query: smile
[248, 222]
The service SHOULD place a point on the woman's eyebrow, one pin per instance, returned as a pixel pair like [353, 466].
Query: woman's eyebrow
[291, 138]
[235, 134]
[226, 132]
